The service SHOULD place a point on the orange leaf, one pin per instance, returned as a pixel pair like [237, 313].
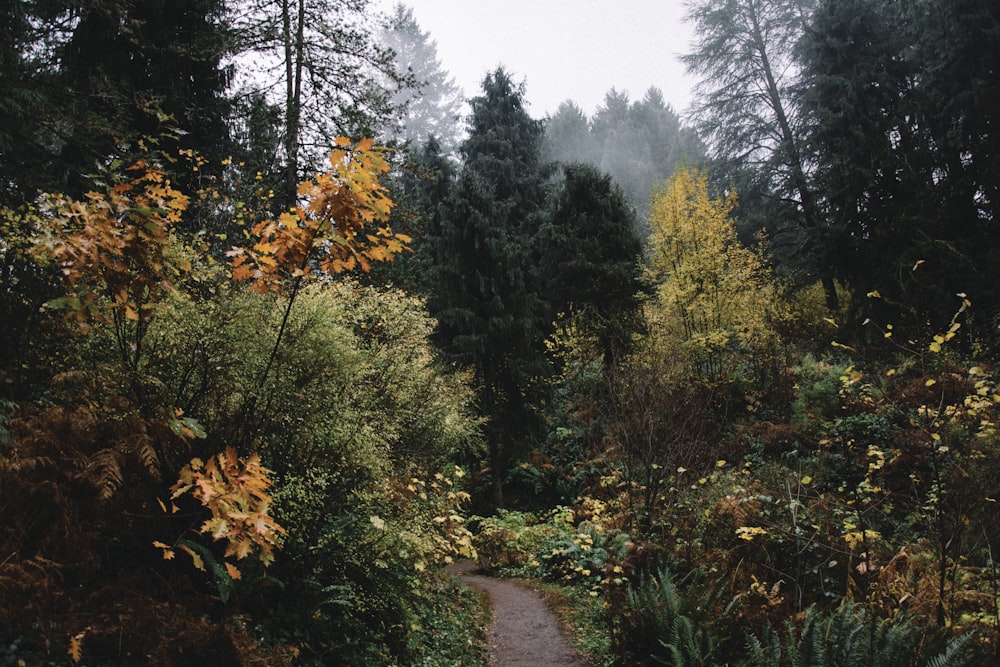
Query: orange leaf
[75, 650]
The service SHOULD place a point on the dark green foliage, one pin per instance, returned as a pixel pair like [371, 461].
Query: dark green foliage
[420, 190]
[593, 253]
[23, 102]
[901, 126]
[124, 75]
[484, 277]
[663, 624]
[853, 637]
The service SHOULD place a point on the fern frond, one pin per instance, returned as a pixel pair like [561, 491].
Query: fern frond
[20, 577]
[809, 650]
[765, 656]
[954, 653]
[104, 471]
[30, 464]
[148, 457]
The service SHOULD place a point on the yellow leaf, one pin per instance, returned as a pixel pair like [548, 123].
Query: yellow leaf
[168, 553]
[930, 383]
[195, 558]
[806, 480]
[234, 572]
[241, 549]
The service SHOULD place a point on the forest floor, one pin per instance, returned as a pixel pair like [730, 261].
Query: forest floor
[523, 631]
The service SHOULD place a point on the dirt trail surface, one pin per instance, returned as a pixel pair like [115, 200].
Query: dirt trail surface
[524, 632]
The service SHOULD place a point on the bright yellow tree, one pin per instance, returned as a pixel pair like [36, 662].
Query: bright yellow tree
[715, 298]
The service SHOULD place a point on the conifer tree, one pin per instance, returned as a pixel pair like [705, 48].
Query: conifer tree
[593, 252]
[432, 105]
[483, 281]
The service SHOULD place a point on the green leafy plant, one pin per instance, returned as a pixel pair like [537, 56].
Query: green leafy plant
[850, 636]
[662, 623]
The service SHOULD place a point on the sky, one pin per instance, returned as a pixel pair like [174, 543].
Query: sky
[562, 49]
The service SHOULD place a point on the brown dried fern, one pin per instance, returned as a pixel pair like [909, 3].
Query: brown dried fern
[104, 472]
[23, 579]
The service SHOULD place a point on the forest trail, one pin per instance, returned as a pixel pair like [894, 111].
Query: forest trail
[523, 631]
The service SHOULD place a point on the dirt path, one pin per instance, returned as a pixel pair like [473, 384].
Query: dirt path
[524, 632]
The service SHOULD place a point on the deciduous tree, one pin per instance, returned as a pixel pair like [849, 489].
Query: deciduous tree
[318, 61]
[715, 301]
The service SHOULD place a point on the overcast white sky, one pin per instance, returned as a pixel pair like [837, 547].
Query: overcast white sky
[562, 49]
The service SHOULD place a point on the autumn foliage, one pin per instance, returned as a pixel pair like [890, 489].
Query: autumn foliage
[234, 491]
[87, 480]
[340, 227]
[113, 248]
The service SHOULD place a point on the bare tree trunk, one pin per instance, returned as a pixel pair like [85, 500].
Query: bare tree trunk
[293, 35]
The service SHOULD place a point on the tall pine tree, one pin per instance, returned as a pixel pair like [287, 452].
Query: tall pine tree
[485, 290]
[431, 104]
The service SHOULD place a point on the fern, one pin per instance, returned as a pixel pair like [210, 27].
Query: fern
[762, 655]
[148, 457]
[849, 637]
[658, 613]
[807, 650]
[104, 472]
[955, 653]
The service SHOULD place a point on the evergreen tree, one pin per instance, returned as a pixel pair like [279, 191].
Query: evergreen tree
[748, 108]
[638, 144]
[22, 104]
[419, 189]
[433, 104]
[484, 281]
[83, 81]
[855, 105]
[568, 138]
[592, 251]
[900, 110]
[127, 74]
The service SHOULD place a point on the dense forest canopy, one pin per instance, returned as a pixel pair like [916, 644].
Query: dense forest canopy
[282, 335]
